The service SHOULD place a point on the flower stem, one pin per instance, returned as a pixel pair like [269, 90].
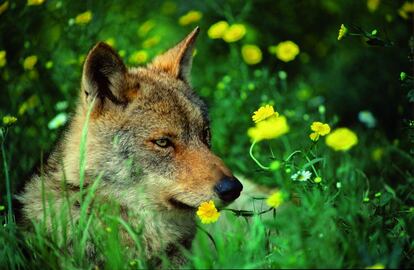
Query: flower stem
[255, 160]
[247, 213]
[306, 157]
[208, 235]
[291, 155]
[6, 174]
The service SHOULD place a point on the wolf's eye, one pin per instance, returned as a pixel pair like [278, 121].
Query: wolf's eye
[163, 142]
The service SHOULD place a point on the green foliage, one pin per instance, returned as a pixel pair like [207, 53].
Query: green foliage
[360, 214]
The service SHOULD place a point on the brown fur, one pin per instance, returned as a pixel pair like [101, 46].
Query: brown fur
[131, 108]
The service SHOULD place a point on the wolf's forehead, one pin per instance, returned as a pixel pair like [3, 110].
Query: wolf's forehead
[165, 96]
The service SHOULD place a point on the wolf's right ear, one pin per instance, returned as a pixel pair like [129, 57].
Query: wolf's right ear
[103, 76]
[177, 61]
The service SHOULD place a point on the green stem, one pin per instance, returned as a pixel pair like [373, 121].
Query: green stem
[314, 143]
[208, 235]
[6, 173]
[247, 213]
[255, 160]
[291, 155]
[306, 157]
[313, 167]
[82, 150]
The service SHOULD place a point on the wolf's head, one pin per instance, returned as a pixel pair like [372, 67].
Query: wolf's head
[149, 129]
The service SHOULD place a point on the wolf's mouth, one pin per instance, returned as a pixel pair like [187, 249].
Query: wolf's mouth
[180, 205]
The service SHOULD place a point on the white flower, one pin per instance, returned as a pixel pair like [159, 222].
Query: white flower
[338, 185]
[367, 118]
[302, 176]
[58, 121]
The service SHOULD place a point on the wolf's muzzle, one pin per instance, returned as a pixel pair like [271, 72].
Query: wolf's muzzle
[228, 189]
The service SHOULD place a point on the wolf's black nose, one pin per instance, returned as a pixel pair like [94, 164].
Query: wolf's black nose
[228, 189]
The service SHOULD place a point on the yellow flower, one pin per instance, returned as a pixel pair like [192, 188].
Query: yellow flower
[190, 17]
[271, 128]
[29, 104]
[286, 51]
[122, 53]
[217, 30]
[341, 139]
[314, 136]
[317, 180]
[35, 2]
[4, 7]
[376, 266]
[342, 32]
[263, 112]
[8, 120]
[3, 59]
[276, 199]
[407, 7]
[377, 154]
[234, 33]
[304, 94]
[111, 42]
[139, 57]
[145, 28]
[29, 62]
[84, 18]
[373, 5]
[168, 7]
[320, 129]
[81, 59]
[251, 54]
[207, 212]
[151, 42]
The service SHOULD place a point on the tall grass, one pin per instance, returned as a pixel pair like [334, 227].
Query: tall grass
[347, 220]
[61, 240]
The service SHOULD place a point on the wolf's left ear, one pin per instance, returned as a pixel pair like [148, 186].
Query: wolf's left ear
[103, 75]
[177, 61]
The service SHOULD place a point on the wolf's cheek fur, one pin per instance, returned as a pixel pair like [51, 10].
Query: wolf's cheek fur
[187, 173]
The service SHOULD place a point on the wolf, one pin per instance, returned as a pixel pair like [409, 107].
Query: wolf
[148, 140]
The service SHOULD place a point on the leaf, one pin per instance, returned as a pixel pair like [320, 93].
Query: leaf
[385, 198]
[410, 96]
[390, 190]
[313, 161]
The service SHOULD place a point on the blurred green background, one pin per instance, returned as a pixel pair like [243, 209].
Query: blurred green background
[362, 81]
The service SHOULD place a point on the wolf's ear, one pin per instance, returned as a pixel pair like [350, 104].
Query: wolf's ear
[177, 60]
[103, 75]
